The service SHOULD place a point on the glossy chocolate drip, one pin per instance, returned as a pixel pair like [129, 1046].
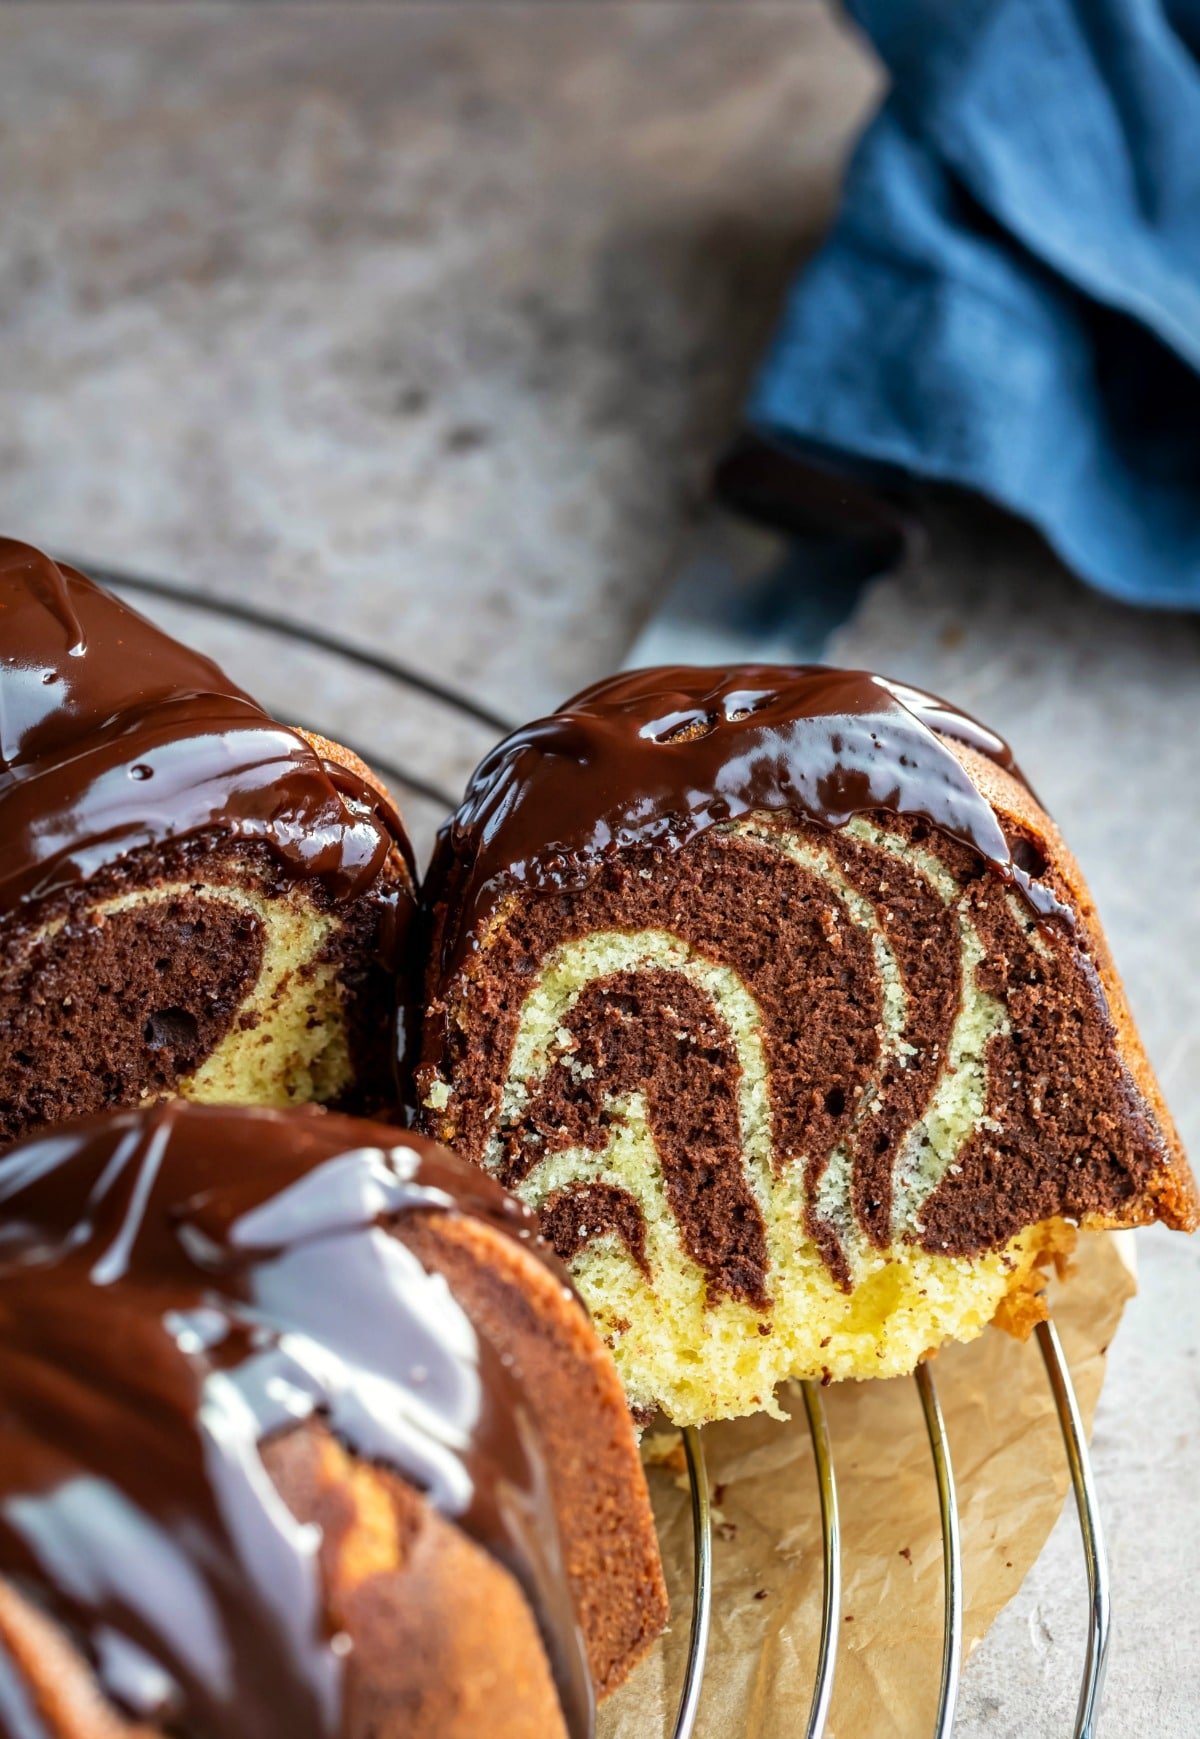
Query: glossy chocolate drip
[114, 736]
[656, 756]
[176, 1287]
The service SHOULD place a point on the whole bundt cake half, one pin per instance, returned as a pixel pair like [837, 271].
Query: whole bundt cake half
[776, 993]
[302, 1432]
[194, 899]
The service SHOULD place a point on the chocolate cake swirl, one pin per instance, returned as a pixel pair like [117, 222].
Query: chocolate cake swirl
[775, 987]
[136, 780]
[178, 1288]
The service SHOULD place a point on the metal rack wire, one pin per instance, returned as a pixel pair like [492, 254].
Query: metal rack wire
[1095, 1659]
[270, 622]
[1057, 1370]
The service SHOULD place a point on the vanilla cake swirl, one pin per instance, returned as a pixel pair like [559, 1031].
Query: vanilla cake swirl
[777, 995]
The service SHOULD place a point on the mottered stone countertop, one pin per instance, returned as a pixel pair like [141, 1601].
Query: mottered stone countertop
[426, 323]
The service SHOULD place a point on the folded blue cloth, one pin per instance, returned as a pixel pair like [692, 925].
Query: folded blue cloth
[1009, 298]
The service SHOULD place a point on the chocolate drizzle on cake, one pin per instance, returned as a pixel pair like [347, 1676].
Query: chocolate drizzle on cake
[658, 756]
[113, 736]
[176, 1288]
[730, 966]
[790, 1017]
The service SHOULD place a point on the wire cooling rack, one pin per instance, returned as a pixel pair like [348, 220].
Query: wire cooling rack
[416, 684]
[1095, 1558]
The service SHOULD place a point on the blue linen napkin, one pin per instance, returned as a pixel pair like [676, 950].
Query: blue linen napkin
[1009, 298]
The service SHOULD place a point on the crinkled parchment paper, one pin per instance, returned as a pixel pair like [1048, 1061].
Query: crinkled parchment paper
[1012, 1479]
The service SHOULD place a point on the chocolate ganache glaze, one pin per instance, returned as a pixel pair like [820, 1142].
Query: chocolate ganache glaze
[176, 1286]
[114, 736]
[658, 755]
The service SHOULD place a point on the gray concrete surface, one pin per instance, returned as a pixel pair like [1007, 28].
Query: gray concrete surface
[427, 322]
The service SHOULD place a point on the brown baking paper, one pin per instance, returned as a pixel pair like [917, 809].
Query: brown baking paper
[1012, 1478]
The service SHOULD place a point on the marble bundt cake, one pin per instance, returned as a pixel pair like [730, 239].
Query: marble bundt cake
[777, 995]
[194, 899]
[302, 1433]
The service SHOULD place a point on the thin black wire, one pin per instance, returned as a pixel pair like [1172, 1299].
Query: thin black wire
[231, 610]
[235, 611]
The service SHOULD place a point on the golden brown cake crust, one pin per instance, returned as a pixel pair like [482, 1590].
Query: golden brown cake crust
[608, 1528]
[450, 1636]
[444, 1640]
[445, 1646]
[1171, 1194]
[339, 756]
